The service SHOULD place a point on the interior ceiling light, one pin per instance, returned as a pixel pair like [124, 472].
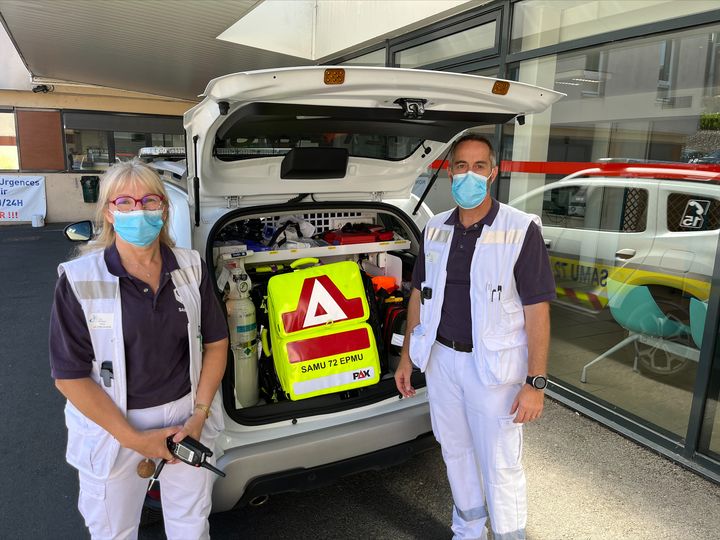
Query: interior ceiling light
[588, 80]
[567, 83]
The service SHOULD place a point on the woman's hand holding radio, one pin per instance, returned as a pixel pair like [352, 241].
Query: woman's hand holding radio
[152, 443]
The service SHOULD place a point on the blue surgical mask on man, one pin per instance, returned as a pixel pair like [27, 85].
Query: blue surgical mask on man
[469, 189]
[139, 227]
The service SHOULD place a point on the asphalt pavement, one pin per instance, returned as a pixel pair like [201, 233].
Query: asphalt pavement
[585, 481]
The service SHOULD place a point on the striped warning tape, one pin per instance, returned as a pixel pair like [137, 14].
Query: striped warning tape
[585, 299]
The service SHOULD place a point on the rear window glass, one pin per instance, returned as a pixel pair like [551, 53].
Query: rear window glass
[357, 144]
[261, 129]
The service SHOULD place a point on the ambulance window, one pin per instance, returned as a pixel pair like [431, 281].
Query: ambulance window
[556, 205]
[624, 209]
[600, 208]
[688, 212]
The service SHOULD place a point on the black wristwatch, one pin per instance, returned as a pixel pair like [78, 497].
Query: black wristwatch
[538, 382]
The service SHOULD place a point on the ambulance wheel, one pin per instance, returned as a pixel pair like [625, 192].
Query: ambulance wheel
[658, 361]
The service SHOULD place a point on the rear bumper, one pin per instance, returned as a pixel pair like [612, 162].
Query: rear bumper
[316, 477]
[317, 458]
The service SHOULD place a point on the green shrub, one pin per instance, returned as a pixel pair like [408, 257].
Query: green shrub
[710, 121]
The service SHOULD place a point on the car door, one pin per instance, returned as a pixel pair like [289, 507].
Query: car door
[687, 235]
[594, 229]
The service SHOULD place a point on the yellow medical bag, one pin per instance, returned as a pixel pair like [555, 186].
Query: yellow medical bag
[321, 342]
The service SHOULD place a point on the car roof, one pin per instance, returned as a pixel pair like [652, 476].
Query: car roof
[681, 171]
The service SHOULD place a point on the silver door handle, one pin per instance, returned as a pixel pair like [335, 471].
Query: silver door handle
[548, 243]
[627, 253]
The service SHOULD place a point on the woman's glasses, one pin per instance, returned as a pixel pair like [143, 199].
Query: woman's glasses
[126, 203]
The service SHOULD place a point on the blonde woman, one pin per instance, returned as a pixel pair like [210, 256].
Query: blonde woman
[138, 346]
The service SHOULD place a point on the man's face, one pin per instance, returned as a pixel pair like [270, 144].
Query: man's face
[472, 156]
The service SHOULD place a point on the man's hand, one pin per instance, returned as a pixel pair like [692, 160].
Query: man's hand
[404, 369]
[528, 404]
[402, 377]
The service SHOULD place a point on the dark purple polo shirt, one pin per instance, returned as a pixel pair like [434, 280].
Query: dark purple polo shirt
[533, 275]
[154, 327]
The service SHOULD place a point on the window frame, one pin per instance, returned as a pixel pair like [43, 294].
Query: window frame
[450, 27]
[11, 110]
[86, 117]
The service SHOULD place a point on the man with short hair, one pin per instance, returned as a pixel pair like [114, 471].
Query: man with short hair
[478, 325]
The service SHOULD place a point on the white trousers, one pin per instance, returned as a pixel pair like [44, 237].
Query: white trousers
[481, 447]
[112, 508]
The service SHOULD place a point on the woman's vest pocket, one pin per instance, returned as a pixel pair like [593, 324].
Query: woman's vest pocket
[90, 448]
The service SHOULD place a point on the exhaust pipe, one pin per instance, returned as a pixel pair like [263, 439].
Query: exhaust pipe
[259, 500]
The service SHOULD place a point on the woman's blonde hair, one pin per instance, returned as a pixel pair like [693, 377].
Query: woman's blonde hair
[117, 177]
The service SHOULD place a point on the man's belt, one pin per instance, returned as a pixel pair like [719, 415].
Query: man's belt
[455, 345]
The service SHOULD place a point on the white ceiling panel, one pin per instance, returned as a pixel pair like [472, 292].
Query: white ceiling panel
[161, 47]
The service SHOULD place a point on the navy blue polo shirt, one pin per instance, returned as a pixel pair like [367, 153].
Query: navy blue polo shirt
[157, 355]
[533, 275]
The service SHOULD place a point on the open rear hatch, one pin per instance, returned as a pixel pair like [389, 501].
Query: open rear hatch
[393, 123]
[315, 163]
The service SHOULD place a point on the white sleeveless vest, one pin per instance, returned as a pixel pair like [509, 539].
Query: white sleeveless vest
[498, 320]
[90, 448]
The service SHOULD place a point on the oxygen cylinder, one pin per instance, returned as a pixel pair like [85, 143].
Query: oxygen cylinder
[243, 333]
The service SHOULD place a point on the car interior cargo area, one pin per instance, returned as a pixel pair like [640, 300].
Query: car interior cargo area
[316, 298]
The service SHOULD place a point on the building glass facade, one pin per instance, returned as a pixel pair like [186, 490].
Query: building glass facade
[634, 254]
[650, 99]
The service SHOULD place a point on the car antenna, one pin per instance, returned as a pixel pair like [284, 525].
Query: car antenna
[431, 183]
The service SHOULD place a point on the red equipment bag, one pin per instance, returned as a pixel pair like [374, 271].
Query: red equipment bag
[358, 233]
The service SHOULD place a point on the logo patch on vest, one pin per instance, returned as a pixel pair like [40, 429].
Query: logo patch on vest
[177, 297]
[101, 321]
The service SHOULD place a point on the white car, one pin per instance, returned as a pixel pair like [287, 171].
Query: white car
[325, 147]
[624, 225]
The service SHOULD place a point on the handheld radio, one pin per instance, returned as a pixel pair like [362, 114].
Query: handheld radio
[193, 453]
[188, 451]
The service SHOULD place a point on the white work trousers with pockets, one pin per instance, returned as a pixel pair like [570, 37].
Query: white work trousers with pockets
[112, 508]
[481, 447]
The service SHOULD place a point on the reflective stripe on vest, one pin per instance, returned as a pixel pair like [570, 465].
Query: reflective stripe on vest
[437, 235]
[514, 236]
[87, 290]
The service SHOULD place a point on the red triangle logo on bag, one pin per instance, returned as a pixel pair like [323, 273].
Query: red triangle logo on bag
[321, 302]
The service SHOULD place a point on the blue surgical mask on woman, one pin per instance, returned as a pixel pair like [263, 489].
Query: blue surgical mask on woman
[469, 189]
[139, 227]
